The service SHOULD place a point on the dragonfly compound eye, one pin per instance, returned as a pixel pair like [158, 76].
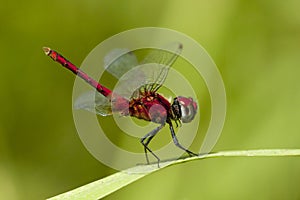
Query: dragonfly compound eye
[176, 109]
[188, 109]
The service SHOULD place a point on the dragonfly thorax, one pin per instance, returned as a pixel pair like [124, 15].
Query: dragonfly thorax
[150, 106]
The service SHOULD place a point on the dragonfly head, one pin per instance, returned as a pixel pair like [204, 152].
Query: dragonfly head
[184, 108]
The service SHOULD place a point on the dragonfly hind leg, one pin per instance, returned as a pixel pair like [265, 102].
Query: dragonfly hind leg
[148, 137]
[175, 140]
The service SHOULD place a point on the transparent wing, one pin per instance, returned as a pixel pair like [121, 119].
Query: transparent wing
[161, 60]
[119, 61]
[134, 83]
[150, 74]
[94, 102]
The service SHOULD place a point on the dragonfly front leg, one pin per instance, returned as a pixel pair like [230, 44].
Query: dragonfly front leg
[175, 140]
[148, 137]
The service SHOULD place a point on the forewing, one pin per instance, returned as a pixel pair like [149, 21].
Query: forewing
[134, 77]
[94, 102]
[119, 61]
[161, 59]
[150, 74]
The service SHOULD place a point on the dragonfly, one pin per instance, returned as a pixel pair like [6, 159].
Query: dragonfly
[143, 102]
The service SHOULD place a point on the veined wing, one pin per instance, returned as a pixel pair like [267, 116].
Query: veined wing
[119, 61]
[161, 61]
[94, 102]
[150, 74]
[122, 64]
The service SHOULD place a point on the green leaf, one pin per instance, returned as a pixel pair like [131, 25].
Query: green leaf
[112, 183]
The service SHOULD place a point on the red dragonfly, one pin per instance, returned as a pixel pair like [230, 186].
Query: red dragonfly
[144, 102]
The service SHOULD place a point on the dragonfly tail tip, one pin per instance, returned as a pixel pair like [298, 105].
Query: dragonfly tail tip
[46, 50]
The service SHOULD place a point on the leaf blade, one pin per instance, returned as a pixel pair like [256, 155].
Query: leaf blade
[103, 187]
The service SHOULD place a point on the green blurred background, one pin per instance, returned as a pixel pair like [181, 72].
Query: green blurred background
[255, 45]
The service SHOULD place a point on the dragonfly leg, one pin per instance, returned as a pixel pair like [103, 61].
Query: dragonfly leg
[148, 137]
[175, 140]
